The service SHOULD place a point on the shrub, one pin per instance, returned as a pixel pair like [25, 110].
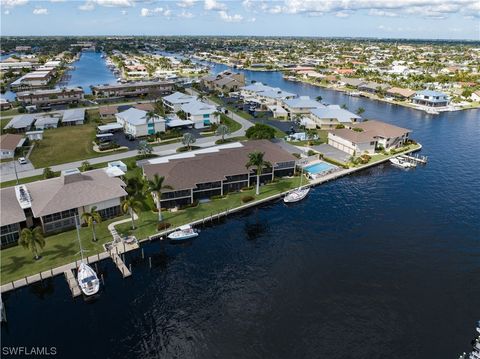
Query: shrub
[163, 226]
[243, 189]
[340, 126]
[217, 197]
[297, 155]
[246, 199]
[260, 131]
[311, 153]
[334, 162]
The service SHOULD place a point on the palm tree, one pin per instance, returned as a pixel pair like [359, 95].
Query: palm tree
[150, 116]
[32, 239]
[132, 206]
[319, 98]
[155, 186]
[255, 159]
[188, 139]
[86, 166]
[92, 218]
[222, 130]
[360, 110]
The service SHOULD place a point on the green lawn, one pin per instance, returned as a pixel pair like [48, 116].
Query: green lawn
[60, 249]
[17, 262]
[66, 144]
[232, 125]
[10, 112]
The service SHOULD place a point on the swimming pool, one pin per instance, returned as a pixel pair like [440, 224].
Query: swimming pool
[318, 167]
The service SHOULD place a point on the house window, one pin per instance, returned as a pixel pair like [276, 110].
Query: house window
[206, 116]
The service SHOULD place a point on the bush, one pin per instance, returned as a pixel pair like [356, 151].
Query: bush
[217, 197]
[334, 162]
[297, 155]
[340, 126]
[243, 189]
[163, 226]
[311, 153]
[260, 131]
[246, 199]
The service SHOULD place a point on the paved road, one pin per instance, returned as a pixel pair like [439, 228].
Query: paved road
[162, 150]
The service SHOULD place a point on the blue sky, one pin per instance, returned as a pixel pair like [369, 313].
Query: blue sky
[432, 19]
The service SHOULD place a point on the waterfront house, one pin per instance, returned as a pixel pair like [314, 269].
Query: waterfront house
[135, 122]
[38, 78]
[329, 117]
[54, 203]
[134, 89]
[350, 82]
[66, 95]
[46, 122]
[200, 113]
[301, 105]
[400, 93]
[430, 98]
[475, 96]
[174, 102]
[372, 87]
[264, 95]
[225, 81]
[73, 117]
[368, 136]
[216, 170]
[9, 143]
[21, 123]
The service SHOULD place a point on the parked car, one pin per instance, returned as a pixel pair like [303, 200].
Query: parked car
[22, 160]
[129, 137]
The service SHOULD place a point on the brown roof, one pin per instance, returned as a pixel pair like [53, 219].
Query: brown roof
[401, 91]
[372, 129]
[354, 136]
[186, 173]
[144, 106]
[107, 110]
[10, 141]
[73, 191]
[10, 210]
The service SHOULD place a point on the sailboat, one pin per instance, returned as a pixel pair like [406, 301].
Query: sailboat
[297, 194]
[86, 276]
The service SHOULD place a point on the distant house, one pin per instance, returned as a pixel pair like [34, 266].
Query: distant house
[400, 93]
[329, 117]
[278, 111]
[5, 104]
[225, 81]
[370, 135]
[54, 203]
[350, 82]
[431, 98]
[372, 87]
[175, 101]
[46, 122]
[133, 89]
[135, 123]
[53, 96]
[265, 95]
[39, 78]
[73, 117]
[200, 113]
[8, 144]
[107, 111]
[21, 123]
[301, 105]
[216, 170]
[475, 96]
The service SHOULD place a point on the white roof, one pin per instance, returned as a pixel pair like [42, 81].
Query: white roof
[179, 98]
[277, 109]
[75, 114]
[21, 121]
[114, 171]
[179, 122]
[303, 102]
[198, 108]
[334, 111]
[109, 127]
[46, 120]
[268, 91]
[137, 117]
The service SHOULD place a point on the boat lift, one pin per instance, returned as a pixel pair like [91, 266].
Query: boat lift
[416, 159]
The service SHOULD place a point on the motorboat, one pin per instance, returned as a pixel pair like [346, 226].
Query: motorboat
[296, 195]
[397, 162]
[87, 279]
[431, 111]
[183, 233]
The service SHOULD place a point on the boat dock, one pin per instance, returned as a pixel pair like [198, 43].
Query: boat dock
[414, 159]
[72, 283]
[120, 265]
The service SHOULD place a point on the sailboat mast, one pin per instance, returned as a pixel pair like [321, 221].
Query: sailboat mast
[78, 235]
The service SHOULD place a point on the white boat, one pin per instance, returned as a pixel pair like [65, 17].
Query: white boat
[431, 111]
[87, 279]
[183, 233]
[298, 193]
[86, 276]
[397, 162]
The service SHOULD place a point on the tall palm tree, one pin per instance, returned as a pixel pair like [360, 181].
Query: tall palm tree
[150, 117]
[32, 239]
[92, 218]
[155, 186]
[255, 159]
[188, 139]
[132, 206]
[222, 130]
[135, 187]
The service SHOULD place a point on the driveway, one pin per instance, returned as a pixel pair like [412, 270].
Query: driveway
[8, 168]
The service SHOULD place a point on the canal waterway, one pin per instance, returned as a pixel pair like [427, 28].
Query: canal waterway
[384, 263]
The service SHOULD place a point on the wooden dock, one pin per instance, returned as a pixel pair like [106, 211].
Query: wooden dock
[415, 159]
[120, 265]
[72, 283]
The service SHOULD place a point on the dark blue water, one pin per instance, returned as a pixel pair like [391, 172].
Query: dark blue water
[381, 264]
[90, 69]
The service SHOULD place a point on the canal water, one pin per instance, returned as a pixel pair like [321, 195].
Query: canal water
[381, 264]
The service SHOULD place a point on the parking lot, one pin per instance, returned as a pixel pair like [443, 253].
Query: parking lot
[8, 168]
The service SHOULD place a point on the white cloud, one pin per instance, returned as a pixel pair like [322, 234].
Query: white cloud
[124, 12]
[13, 3]
[6, 12]
[40, 11]
[377, 12]
[342, 14]
[230, 18]
[155, 12]
[88, 6]
[186, 3]
[54, 1]
[214, 5]
[185, 14]
[115, 3]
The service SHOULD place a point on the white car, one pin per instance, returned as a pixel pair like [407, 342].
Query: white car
[22, 160]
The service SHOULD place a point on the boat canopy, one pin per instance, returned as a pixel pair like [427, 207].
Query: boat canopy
[185, 227]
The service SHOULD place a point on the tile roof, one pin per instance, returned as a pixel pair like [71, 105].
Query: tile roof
[75, 114]
[136, 117]
[336, 112]
[10, 210]
[10, 141]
